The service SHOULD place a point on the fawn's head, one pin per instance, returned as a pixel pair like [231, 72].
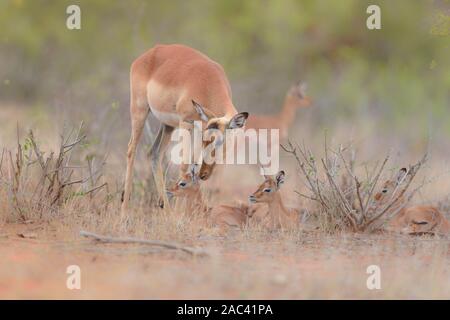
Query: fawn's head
[267, 190]
[297, 96]
[390, 186]
[215, 130]
[187, 185]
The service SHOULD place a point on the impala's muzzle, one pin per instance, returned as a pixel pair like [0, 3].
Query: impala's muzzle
[169, 194]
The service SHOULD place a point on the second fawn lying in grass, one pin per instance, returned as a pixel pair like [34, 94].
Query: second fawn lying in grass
[269, 192]
[223, 216]
[413, 220]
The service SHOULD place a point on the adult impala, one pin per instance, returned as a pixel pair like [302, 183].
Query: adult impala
[178, 85]
[295, 98]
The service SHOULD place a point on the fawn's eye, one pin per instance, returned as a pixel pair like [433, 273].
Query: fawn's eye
[419, 222]
[267, 190]
[384, 190]
[182, 184]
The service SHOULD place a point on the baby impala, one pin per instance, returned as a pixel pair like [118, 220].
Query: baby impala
[269, 192]
[223, 216]
[413, 220]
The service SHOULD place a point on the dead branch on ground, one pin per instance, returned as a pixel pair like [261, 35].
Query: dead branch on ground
[163, 244]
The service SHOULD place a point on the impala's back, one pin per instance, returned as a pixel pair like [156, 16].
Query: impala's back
[419, 220]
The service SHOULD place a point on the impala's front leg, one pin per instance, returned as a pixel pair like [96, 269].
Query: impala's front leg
[191, 144]
[138, 116]
[157, 154]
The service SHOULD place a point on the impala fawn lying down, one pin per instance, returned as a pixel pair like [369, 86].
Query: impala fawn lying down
[410, 220]
[295, 98]
[269, 192]
[223, 216]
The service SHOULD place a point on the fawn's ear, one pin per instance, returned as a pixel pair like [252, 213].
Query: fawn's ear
[194, 169]
[263, 172]
[280, 178]
[238, 121]
[201, 112]
[401, 175]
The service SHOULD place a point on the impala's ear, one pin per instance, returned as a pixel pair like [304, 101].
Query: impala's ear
[200, 111]
[302, 89]
[280, 178]
[194, 169]
[401, 175]
[261, 168]
[238, 121]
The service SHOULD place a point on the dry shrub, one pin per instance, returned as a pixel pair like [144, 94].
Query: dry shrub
[344, 200]
[39, 185]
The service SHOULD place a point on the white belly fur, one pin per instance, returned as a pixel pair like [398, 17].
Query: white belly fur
[170, 119]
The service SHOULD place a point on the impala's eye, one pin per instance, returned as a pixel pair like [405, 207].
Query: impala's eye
[213, 125]
[267, 190]
[182, 184]
[419, 222]
[384, 191]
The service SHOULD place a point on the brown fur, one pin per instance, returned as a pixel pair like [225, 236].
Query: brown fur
[280, 216]
[409, 220]
[223, 216]
[295, 98]
[166, 80]
[420, 220]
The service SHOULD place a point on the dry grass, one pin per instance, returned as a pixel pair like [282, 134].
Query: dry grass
[39, 184]
[254, 263]
[343, 190]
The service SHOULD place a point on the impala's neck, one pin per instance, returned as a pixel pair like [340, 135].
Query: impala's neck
[196, 203]
[219, 103]
[277, 211]
[287, 114]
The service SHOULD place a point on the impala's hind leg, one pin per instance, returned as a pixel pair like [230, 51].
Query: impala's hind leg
[138, 117]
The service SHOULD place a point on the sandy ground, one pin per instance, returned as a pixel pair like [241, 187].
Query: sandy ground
[237, 268]
[247, 265]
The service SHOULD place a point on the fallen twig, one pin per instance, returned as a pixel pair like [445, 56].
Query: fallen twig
[167, 245]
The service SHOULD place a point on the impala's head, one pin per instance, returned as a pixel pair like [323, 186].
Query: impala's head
[297, 96]
[267, 190]
[187, 185]
[215, 129]
[389, 186]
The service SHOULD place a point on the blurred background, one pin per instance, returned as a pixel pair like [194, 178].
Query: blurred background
[380, 90]
[386, 87]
